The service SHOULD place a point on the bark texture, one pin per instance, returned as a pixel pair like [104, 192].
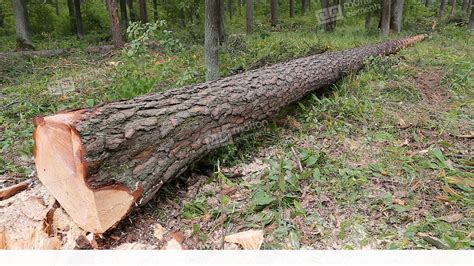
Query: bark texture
[274, 12]
[139, 144]
[23, 35]
[115, 24]
[385, 18]
[397, 16]
[249, 16]
[442, 8]
[211, 38]
[78, 19]
[292, 8]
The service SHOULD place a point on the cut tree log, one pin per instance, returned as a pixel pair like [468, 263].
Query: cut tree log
[100, 162]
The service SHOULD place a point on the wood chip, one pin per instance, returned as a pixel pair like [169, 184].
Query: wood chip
[249, 240]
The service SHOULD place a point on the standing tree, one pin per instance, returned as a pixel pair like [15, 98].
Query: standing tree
[292, 8]
[385, 18]
[230, 6]
[115, 24]
[397, 16]
[442, 7]
[330, 10]
[78, 18]
[303, 7]
[72, 17]
[453, 7]
[471, 20]
[428, 3]
[465, 5]
[2, 17]
[155, 10]
[143, 11]
[274, 12]
[123, 14]
[23, 36]
[221, 18]
[131, 11]
[211, 38]
[249, 16]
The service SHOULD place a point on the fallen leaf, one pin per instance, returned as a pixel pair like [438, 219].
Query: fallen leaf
[452, 218]
[159, 231]
[249, 240]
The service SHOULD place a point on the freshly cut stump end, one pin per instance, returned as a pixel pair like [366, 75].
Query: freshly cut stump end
[62, 169]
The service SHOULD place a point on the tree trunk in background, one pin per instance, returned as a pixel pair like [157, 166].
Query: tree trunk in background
[211, 38]
[123, 14]
[397, 16]
[453, 8]
[465, 6]
[23, 35]
[368, 20]
[428, 3]
[155, 11]
[292, 8]
[329, 24]
[78, 16]
[101, 162]
[442, 8]
[56, 7]
[343, 7]
[249, 16]
[274, 12]
[221, 17]
[131, 11]
[471, 20]
[385, 18]
[2, 17]
[72, 17]
[143, 11]
[115, 24]
[303, 7]
[230, 6]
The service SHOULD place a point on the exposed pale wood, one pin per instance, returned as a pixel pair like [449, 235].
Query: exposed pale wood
[8, 192]
[62, 169]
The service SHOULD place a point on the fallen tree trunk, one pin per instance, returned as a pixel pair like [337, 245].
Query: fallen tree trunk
[99, 162]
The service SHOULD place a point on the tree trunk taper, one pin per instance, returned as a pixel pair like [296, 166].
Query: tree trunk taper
[100, 162]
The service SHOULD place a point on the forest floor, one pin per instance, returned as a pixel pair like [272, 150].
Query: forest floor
[383, 159]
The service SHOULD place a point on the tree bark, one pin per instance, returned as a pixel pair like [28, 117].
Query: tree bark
[368, 21]
[123, 14]
[115, 24]
[428, 3]
[442, 8]
[143, 11]
[23, 35]
[471, 20]
[78, 19]
[397, 16]
[303, 7]
[131, 11]
[329, 24]
[100, 162]
[2, 17]
[230, 6]
[274, 12]
[465, 5]
[385, 18]
[292, 8]
[211, 38]
[221, 18]
[155, 10]
[249, 17]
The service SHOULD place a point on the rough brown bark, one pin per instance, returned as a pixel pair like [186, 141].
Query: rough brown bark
[115, 24]
[397, 16]
[385, 18]
[129, 149]
[211, 38]
[23, 35]
[274, 12]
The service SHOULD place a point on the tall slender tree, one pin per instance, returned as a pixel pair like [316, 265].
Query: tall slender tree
[230, 7]
[131, 11]
[442, 7]
[249, 16]
[155, 10]
[123, 14]
[72, 17]
[428, 3]
[274, 12]
[115, 24]
[2, 17]
[292, 8]
[78, 19]
[471, 20]
[453, 7]
[329, 24]
[211, 38]
[143, 11]
[303, 6]
[385, 18]
[465, 5]
[221, 18]
[23, 35]
[397, 16]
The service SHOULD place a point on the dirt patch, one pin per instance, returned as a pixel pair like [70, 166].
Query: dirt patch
[429, 84]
